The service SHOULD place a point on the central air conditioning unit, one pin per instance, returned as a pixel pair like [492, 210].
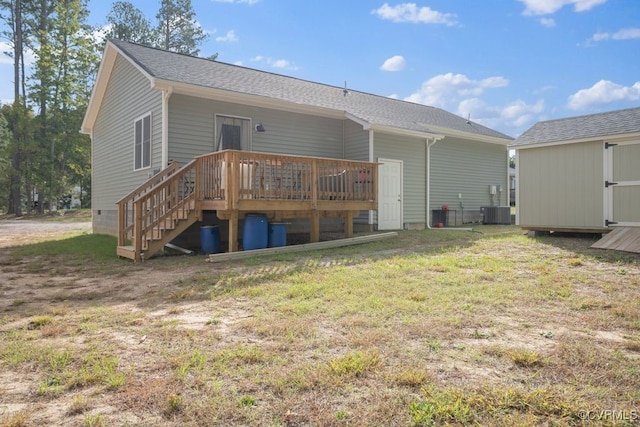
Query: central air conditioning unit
[496, 215]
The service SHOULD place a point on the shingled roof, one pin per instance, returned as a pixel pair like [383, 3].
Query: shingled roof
[372, 109]
[591, 126]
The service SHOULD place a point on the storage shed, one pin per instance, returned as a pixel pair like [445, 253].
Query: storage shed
[579, 174]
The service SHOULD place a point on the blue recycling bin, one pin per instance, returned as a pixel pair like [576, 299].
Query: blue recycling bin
[277, 234]
[254, 232]
[210, 239]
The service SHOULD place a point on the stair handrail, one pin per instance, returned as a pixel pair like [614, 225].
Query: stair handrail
[125, 226]
[160, 203]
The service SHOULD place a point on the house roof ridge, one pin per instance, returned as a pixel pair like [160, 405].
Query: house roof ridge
[594, 125]
[590, 115]
[371, 107]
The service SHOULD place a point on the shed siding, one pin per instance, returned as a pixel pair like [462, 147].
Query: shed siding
[412, 152]
[561, 186]
[467, 168]
[113, 176]
[191, 129]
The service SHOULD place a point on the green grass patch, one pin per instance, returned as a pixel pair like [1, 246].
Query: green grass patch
[94, 248]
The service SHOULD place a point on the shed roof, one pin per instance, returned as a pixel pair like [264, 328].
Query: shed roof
[372, 109]
[574, 129]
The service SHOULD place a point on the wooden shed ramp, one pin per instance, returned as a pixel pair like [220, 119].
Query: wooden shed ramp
[621, 239]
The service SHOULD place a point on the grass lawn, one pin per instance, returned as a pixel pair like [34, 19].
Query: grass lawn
[433, 327]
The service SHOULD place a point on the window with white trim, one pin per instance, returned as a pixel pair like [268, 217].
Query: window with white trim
[232, 133]
[142, 142]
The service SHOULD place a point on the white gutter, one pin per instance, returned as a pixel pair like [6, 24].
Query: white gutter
[166, 94]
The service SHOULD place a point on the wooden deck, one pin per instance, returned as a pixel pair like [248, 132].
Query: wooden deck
[621, 239]
[235, 183]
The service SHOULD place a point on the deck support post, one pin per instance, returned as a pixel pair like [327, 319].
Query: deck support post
[348, 225]
[315, 227]
[233, 231]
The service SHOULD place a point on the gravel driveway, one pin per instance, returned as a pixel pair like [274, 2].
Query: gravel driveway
[16, 231]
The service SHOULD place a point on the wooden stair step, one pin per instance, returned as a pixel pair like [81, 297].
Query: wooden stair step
[126, 252]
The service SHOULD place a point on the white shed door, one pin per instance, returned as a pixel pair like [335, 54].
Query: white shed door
[389, 194]
[622, 184]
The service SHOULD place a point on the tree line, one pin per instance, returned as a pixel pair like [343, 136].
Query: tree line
[43, 155]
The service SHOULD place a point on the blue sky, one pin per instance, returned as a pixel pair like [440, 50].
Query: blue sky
[505, 63]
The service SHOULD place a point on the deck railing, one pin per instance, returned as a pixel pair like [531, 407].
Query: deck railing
[240, 175]
[235, 181]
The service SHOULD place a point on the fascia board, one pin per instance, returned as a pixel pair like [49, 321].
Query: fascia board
[608, 138]
[405, 132]
[467, 135]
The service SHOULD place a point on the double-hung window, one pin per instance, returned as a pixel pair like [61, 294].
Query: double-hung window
[142, 142]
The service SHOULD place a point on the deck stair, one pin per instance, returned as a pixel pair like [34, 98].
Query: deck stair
[157, 212]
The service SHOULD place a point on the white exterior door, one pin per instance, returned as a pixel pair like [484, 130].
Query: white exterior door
[622, 184]
[389, 194]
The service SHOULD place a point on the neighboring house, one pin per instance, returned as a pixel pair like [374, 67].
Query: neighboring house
[580, 173]
[150, 107]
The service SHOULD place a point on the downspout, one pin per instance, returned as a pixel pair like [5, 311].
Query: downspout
[166, 94]
[430, 142]
[372, 160]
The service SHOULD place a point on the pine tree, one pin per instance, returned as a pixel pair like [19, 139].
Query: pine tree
[126, 22]
[178, 30]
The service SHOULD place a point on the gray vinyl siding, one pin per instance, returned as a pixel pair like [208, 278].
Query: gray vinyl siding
[356, 147]
[191, 129]
[561, 186]
[412, 152]
[356, 141]
[127, 98]
[467, 168]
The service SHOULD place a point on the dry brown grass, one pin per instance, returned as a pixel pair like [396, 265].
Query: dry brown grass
[432, 328]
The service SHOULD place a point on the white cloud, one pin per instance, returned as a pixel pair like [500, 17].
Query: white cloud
[275, 63]
[5, 48]
[446, 88]
[544, 89]
[462, 95]
[395, 63]
[548, 22]
[603, 92]
[229, 37]
[547, 7]
[410, 12]
[623, 34]
[515, 115]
